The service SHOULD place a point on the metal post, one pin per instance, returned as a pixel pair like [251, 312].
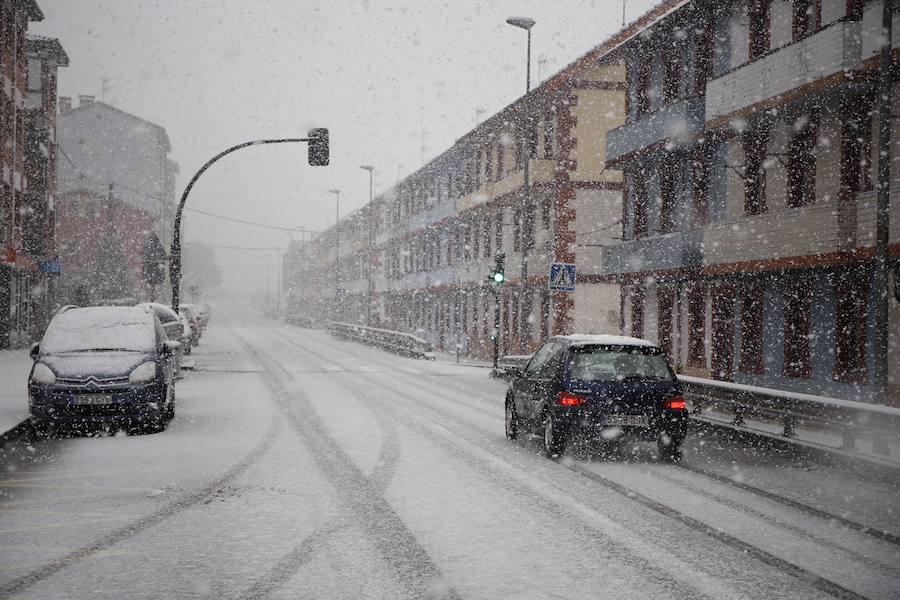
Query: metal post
[496, 326]
[880, 275]
[526, 206]
[175, 263]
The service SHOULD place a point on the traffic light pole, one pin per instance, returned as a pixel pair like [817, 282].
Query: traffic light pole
[496, 325]
[175, 261]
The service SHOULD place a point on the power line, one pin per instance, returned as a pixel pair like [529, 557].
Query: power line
[252, 223]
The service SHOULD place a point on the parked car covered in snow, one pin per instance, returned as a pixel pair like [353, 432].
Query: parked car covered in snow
[103, 366]
[173, 325]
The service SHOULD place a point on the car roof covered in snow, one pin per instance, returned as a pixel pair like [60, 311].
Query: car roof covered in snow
[100, 327]
[156, 306]
[578, 339]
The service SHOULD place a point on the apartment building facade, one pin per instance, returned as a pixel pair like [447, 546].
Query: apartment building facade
[17, 270]
[417, 258]
[749, 155]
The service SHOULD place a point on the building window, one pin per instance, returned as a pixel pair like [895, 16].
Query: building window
[703, 55]
[665, 298]
[517, 230]
[501, 157]
[546, 203]
[637, 311]
[700, 184]
[489, 163]
[801, 184]
[667, 194]
[806, 17]
[851, 289]
[758, 12]
[520, 148]
[487, 237]
[755, 140]
[671, 73]
[723, 332]
[866, 161]
[696, 356]
[644, 81]
[640, 205]
[475, 231]
[498, 233]
[751, 325]
[796, 328]
[477, 168]
[548, 135]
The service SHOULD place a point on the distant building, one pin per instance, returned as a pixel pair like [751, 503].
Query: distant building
[116, 187]
[750, 161]
[18, 271]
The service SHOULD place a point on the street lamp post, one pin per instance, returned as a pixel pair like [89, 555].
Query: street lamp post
[526, 24]
[370, 283]
[317, 141]
[337, 249]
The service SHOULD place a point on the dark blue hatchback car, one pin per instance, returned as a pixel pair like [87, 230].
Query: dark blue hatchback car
[103, 365]
[612, 388]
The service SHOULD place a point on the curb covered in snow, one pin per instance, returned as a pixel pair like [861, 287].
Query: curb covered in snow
[22, 431]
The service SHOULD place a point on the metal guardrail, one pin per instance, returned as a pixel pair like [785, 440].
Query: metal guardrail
[300, 321]
[795, 417]
[850, 421]
[394, 341]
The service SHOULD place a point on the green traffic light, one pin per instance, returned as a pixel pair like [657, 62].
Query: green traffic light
[498, 278]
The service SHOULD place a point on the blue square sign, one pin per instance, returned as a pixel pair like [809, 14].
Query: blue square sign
[562, 277]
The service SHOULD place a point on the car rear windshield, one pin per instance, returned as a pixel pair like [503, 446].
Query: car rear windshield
[619, 363]
[98, 329]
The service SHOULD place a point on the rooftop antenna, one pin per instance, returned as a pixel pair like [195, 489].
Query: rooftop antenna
[104, 87]
[623, 13]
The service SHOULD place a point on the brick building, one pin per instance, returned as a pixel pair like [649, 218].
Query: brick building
[749, 154]
[418, 257]
[16, 270]
[45, 56]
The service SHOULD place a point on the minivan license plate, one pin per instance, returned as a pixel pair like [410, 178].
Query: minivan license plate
[93, 399]
[627, 420]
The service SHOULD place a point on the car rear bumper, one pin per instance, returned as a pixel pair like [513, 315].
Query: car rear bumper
[671, 423]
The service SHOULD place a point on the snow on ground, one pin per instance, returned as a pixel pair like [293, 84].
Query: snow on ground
[302, 466]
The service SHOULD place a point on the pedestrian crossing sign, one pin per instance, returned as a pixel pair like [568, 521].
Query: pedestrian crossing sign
[562, 277]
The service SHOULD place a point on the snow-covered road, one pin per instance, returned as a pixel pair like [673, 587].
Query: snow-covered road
[301, 466]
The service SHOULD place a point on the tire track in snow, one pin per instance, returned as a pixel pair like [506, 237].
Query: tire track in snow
[293, 561]
[886, 536]
[146, 522]
[640, 555]
[821, 583]
[395, 542]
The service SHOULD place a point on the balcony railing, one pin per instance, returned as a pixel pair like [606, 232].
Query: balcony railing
[658, 253]
[679, 122]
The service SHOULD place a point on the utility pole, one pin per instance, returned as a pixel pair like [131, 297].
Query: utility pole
[880, 272]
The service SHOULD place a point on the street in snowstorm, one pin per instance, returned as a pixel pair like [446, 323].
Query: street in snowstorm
[304, 466]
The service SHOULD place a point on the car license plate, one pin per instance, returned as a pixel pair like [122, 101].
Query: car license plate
[627, 421]
[93, 399]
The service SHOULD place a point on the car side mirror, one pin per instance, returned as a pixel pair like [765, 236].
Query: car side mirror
[171, 346]
[515, 372]
[35, 351]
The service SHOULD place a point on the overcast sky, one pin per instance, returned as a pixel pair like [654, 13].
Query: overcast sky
[383, 76]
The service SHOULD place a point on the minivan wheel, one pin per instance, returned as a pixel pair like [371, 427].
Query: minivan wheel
[512, 420]
[170, 404]
[554, 443]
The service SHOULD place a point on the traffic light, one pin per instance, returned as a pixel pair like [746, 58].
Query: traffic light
[498, 275]
[317, 147]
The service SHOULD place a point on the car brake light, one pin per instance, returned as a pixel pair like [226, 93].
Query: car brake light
[676, 403]
[567, 399]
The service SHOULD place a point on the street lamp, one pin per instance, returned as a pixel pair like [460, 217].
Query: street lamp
[526, 24]
[337, 245]
[370, 283]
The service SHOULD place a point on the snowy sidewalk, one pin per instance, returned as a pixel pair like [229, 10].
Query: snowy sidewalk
[14, 368]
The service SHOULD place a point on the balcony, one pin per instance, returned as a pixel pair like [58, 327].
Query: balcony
[677, 250]
[827, 53]
[782, 234]
[542, 171]
[679, 122]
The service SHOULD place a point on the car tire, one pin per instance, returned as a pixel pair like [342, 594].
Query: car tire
[40, 429]
[187, 349]
[553, 439]
[169, 413]
[511, 420]
[669, 452]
